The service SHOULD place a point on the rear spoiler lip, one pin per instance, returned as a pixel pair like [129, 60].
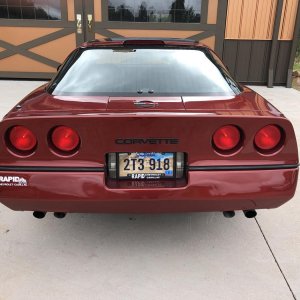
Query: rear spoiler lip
[137, 41]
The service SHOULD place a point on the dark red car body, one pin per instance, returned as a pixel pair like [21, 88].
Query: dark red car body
[245, 179]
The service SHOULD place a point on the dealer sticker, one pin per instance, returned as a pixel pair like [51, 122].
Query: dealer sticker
[12, 181]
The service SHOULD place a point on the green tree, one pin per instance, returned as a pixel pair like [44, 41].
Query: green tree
[125, 13]
[177, 11]
[143, 16]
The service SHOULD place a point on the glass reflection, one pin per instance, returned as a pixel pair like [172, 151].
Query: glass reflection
[165, 72]
[30, 9]
[178, 11]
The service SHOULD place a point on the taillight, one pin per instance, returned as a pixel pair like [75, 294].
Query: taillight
[22, 139]
[268, 137]
[65, 138]
[227, 137]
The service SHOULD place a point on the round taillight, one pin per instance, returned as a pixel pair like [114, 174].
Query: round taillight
[226, 137]
[65, 138]
[268, 137]
[22, 138]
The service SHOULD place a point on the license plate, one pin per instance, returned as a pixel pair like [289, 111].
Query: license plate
[146, 165]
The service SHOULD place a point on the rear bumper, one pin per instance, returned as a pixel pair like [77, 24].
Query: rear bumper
[88, 192]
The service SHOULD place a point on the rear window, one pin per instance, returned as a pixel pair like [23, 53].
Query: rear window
[122, 72]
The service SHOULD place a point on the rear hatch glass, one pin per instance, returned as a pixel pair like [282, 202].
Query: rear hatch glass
[128, 72]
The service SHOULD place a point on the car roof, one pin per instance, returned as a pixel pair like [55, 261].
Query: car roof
[137, 41]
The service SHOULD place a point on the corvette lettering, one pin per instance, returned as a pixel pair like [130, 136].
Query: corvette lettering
[159, 141]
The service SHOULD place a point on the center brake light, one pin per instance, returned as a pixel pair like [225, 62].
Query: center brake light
[144, 42]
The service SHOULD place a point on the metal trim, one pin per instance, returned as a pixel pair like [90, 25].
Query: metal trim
[51, 169]
[189, 168]
[241, 168]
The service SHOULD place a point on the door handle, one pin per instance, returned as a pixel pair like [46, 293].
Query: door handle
[90, 21]
[79, 23]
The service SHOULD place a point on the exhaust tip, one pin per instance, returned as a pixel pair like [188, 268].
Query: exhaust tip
[59, 215]
[229, 214]
[39, 214]
[250, 213]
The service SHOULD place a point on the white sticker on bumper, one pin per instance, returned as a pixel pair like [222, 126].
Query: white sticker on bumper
[12, 181]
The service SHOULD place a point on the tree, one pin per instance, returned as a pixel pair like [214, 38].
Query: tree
[178, 11]
[124, 13]
[191, 16]
[143, 14]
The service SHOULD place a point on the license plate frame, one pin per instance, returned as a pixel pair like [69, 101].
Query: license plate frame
[138, 174]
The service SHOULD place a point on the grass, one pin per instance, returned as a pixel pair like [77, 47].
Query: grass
[297, 59]
[296, 66]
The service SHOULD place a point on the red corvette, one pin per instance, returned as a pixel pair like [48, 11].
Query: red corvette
[145, 126]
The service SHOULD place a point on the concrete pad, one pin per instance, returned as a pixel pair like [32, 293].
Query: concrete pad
[181, 256]
[14, 91]
[168, 256]
[282, 226]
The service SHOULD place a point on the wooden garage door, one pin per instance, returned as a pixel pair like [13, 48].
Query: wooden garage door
[36, 36]
[202, 20]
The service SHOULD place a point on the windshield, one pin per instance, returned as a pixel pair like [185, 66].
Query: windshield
[144, 72]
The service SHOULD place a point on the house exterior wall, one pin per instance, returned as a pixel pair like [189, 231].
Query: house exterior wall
[255, 50]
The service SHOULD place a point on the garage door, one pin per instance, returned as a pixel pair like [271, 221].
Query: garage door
[37, 35]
